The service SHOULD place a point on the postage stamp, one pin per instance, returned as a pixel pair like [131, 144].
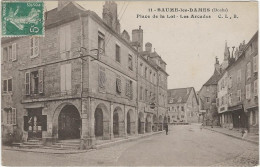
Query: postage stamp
[22, 19]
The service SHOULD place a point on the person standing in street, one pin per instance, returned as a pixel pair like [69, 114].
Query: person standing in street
[166, 128]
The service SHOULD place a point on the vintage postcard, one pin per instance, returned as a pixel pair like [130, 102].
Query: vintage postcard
[129, 83]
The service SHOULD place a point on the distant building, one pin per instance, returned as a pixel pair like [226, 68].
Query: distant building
[208, 95]
[183, 105]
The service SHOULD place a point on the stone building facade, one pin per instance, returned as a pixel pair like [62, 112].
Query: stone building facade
[183, 105]
[251, 84]
[80, 81]
[237, 99]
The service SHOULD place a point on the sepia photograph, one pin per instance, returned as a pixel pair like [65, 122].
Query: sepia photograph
[129, 83]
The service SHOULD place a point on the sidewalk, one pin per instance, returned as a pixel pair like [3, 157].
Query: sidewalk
[99, 145]
[253, 138]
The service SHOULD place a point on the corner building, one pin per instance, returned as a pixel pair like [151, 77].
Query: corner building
[78, 82]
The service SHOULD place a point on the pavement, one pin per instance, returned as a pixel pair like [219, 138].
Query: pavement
[185, 145]
[99, 145]
[236, 133]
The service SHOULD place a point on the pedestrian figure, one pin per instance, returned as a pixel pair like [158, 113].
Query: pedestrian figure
[166, 129]
[201, 126]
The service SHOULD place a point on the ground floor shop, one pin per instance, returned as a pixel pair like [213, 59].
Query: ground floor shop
[253, 119]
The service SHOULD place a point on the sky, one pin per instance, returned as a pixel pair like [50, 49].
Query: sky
[188, 46]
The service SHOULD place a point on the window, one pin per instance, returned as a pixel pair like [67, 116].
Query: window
[207, 99]
[101, 43]
[65, 39]
[255, 87]
[255, 64]
[5, 86]
[207, 88]
[146, 94]
[217, 102]
[230, 82]
[117, 53]
[248, 70]
[34, 47]
[145, 72]
[230, 98]
[239, 95]
[154, 77]
[130, 62]
[65, 72]
[129, 89]
[239, 76]
[151, 76]
[182, 116]
[9, 53]
[248, 91]
[182, 108]
[11, 116]
[8, 85]
[118, 85]
[141, 69]
[222, 100]
[141, 93]
[34, 82]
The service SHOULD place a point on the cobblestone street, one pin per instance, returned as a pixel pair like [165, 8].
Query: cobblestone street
[185, 145]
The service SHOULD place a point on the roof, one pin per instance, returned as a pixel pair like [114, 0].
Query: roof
[179, 95]
[213, 80]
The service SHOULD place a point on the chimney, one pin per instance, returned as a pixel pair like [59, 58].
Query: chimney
[110, 15]
[137, 36]
[62, 4]
[148, 47]
[217, 65]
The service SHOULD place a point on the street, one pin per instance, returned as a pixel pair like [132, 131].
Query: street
[185, 145]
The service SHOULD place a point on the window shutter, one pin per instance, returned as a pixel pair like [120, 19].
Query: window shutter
[14, 55]
[27, 83]
[62, 40]
[14, 116]
[44, 122]
[40, 80]
[25, 123]
[68, 38]
[249, 91]
[62, 77]
[68, 76]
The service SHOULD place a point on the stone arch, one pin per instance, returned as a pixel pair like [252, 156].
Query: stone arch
[164, 121]
[55, 117]
[141, 123]
[130, 122]
[160, 124]
[148, 123]
[155, 123]
[101, 123]
[118, 122]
